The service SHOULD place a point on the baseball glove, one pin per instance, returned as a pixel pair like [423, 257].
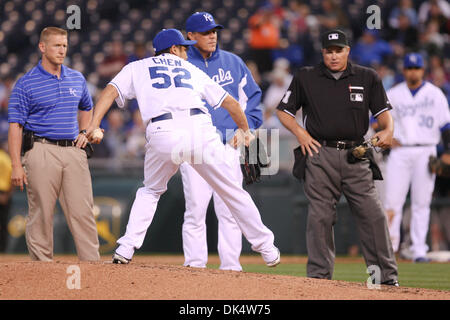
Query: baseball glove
[254, 158]
[364, 151]
[438, 167]
[360, 152]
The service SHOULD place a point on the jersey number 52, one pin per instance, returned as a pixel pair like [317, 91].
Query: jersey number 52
[165, 77]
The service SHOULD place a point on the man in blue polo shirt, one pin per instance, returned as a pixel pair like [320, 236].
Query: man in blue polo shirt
[43, 109]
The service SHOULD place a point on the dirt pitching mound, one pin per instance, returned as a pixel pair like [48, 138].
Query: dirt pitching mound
[163, 278]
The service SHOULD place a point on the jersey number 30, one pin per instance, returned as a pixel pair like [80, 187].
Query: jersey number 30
[162, 74]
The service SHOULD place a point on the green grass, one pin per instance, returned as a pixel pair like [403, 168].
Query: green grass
[430, 276]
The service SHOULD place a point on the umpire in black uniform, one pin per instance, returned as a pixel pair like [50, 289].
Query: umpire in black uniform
[336, 97]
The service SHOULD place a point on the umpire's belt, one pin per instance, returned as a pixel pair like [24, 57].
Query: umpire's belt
[341, 144]
[61, 143]
[168, 116]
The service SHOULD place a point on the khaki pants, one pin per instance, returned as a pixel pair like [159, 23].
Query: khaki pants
[55, 172]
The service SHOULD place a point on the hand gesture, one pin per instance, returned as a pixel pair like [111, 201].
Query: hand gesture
[18, 177]
[307, 143]
[94, 134]
[81, 140]
[241, 137]
[384, 138]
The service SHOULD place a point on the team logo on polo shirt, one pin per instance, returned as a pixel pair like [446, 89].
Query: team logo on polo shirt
[333, 36]
[73, 91]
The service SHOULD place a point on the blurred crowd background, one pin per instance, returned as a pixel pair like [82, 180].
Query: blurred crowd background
[273, 37]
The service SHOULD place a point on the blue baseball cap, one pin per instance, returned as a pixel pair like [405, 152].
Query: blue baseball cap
[413, 60]
[201, 22]
[169, 37]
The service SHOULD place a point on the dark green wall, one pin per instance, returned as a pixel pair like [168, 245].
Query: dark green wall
[280, 199]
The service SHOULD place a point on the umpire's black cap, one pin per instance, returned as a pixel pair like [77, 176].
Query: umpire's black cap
[334, 38]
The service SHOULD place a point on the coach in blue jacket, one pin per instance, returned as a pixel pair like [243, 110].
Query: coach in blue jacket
[228, 70]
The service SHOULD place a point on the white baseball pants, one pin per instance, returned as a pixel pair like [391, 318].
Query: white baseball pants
[197, 193]
[405, 167]
[192, 139]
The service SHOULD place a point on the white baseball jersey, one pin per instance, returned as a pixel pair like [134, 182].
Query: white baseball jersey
[418, 118]
[152, 81]
[417, 122]
[164, 84]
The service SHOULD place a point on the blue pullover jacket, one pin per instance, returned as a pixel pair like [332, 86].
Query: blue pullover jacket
[228, 70]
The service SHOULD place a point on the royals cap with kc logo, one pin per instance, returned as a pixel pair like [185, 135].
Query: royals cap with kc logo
[201, 22]
[413, 60]
[169, 37]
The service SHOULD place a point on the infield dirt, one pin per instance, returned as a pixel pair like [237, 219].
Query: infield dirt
[164, 278]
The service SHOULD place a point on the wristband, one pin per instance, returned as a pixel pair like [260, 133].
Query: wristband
[83, 131]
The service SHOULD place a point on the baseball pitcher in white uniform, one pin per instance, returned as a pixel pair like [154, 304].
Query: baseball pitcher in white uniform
[169, 91]
[228, 70]
[420, 112]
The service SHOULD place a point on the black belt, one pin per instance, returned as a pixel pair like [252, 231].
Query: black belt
[417, 145]
[341, 144]
[168, 116]
[61, 143]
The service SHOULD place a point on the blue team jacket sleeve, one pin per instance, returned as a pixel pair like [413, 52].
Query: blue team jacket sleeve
[252, 94]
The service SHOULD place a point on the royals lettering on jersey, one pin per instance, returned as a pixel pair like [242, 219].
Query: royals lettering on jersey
[223, 77]
[412, 109]
[419, 118]
[228, 70]
[159, 84]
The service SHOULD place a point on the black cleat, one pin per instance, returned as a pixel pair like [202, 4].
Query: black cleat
[393, 283]
[118, 259]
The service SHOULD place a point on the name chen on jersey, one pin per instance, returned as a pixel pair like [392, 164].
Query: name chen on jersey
[167, 61]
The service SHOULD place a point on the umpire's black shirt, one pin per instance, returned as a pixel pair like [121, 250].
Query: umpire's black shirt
[335, 109]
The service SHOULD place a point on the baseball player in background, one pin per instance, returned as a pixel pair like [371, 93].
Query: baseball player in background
[421, 113]
[228, 70]
[169, 91]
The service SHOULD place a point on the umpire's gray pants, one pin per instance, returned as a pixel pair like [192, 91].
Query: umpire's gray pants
[328, 175]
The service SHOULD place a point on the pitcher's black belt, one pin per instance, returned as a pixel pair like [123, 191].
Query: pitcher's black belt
[417, 145]
[341, 144]
[61, 143]
[168, 116]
